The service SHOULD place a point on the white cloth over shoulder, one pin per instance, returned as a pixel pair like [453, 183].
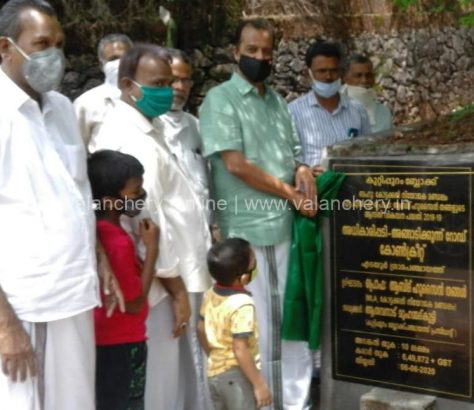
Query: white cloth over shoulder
[47, 235]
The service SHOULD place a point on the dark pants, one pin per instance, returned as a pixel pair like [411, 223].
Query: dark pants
[120, 376]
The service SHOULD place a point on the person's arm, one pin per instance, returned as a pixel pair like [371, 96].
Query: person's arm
[149, 233]
[16, 352]
[201, 332]
[236, 164]
[182, 309]
[246, 362]
[113, 294]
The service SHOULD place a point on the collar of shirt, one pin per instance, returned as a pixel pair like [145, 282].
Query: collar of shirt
[18, 97]
[313, 101]
[244, 87]
[136, 117]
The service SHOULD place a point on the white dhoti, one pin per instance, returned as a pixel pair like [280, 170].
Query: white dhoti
[66, 361]
[286, 365]
[175, 377]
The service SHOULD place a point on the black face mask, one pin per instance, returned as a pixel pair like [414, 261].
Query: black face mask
[132, 207]
[254, 69]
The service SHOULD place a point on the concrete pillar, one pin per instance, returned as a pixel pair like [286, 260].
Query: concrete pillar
[385, 399]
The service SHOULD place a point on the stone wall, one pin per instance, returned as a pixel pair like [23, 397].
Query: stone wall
[421, 73]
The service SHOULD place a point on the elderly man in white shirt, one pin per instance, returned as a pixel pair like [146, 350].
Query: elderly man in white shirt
[181, 129]
[359, 82]
[145, 79]
[48, 278]
[92, 106]
[181, 135]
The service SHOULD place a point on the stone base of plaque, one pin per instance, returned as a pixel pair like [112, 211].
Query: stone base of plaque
[384, 399]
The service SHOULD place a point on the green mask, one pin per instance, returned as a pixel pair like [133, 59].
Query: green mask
[155, 101]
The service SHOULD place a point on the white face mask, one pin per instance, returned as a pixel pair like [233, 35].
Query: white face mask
[366, 96]
[111, 72]
[43, 70]
[325, 90]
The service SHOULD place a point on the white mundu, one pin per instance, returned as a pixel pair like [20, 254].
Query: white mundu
[47, 237]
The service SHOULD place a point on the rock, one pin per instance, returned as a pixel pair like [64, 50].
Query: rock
[297, 66]
[71, 79]
[222, 72]
[458, 45]
[284, 59]
[200, 60]
[401, 94]
[222, 56]
[293, 48]
[91, 83]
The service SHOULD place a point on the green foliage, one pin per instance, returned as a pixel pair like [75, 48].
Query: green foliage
[462, 113]
[462, 8]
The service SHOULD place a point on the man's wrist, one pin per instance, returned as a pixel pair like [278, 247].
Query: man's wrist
[301, 164]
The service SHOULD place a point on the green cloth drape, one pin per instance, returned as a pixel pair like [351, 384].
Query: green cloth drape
[303, 299]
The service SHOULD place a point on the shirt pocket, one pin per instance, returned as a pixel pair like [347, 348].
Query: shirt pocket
[75, 162]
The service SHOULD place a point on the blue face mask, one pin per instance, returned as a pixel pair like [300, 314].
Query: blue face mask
[326, 90]
[155, 101]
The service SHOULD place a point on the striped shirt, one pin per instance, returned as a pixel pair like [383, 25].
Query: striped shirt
[318, 128]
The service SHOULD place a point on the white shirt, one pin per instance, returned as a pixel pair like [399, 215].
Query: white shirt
[380, 116]
[91, 109]
[47, 234]
[171, 201]
[181, 132]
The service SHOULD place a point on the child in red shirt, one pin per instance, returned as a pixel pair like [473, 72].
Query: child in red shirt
[117, 187]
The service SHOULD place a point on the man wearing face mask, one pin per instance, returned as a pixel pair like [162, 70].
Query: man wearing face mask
[323, 116]
[181, 135]
[250, 141]
[48, 278]
[359, 82]
[181, 129]
[92, 106]
[145, 80]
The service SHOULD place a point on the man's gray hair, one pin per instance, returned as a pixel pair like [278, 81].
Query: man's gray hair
[10, 24]
[109, 39]
[180, 55]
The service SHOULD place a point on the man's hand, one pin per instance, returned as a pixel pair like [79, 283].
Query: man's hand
[182, 313]
[262, 394]
[305, 200]
[109, 283]
[303, 205]
[317, 170]
[304, 181]
[16, 352]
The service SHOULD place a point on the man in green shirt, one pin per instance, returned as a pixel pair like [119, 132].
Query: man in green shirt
[250, 141]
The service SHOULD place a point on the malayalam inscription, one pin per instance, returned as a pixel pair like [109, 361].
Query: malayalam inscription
[401, 277]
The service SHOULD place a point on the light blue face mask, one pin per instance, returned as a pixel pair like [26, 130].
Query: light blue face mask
[155, 101]
[326, 90]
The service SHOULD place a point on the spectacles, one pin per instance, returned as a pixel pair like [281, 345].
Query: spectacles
[188, 82]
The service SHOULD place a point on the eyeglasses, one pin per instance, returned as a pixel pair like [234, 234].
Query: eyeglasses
[188, 82]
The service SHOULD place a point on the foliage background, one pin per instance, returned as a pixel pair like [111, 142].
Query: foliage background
[202, 22]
